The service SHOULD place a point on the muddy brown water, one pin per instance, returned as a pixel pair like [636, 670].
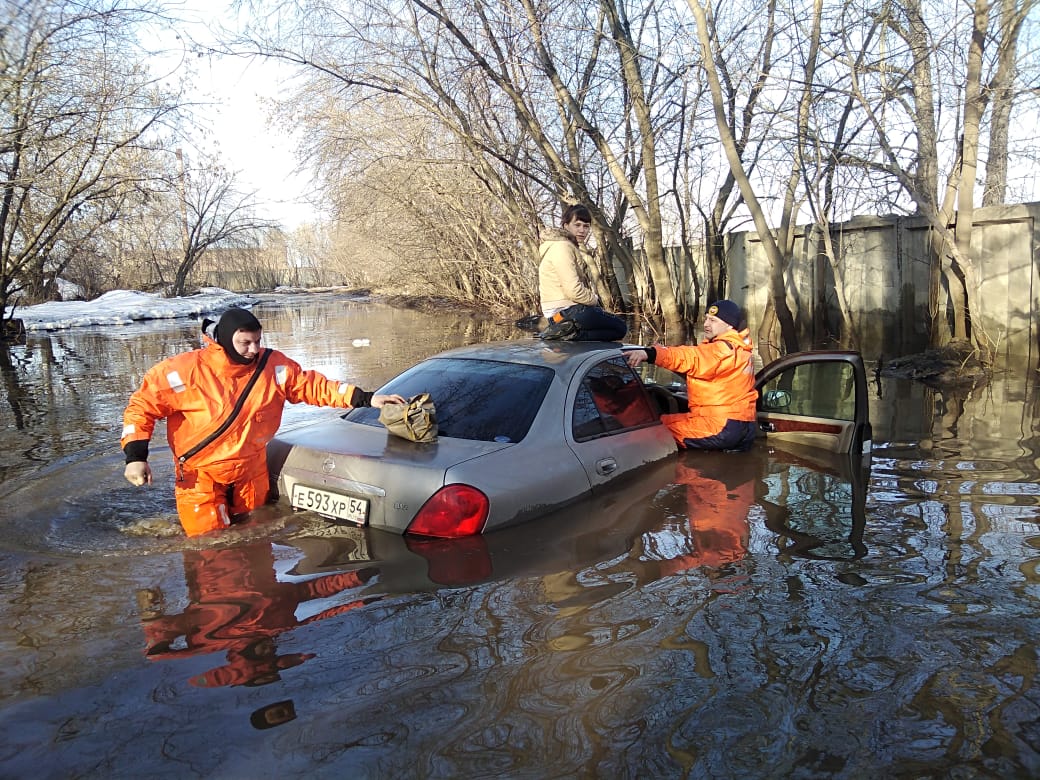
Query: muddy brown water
[774, 615]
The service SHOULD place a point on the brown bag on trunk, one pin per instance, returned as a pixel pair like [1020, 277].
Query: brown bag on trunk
[415, 420]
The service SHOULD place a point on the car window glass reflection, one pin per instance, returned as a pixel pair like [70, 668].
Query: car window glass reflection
[611, 398]
[481, 400]
[813, 390]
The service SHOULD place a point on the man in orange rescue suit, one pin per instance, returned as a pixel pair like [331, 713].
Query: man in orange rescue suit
[217, 428]
[720, 383]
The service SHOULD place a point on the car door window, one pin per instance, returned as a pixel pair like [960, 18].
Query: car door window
[611, 399]
[813, 390]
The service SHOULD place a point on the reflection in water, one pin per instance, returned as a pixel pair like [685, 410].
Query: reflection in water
[454, 562]
[775, 614]
[707, 513]
[238, 605]
[273, 714]
[817, 506]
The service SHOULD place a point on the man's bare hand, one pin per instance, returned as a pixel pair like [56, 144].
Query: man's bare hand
[379, 400]
[138, 473]
[635, 357]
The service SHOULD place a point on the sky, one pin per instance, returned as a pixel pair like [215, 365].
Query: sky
[234, 91]
[264, 154]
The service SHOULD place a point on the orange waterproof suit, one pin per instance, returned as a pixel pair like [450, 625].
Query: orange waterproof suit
[720, 384]
[195, 392]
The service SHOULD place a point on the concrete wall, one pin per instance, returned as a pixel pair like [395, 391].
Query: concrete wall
[887, 270]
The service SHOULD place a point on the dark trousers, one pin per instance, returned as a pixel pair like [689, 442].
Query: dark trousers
[736, 436]
[595, 324]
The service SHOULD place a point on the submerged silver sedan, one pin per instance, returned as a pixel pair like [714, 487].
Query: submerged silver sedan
[527, 427]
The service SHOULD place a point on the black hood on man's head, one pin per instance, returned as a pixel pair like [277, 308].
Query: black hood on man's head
[232, 321]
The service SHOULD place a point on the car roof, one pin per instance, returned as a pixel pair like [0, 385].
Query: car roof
[563, 357]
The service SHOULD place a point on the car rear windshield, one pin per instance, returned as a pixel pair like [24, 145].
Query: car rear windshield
[483, 400]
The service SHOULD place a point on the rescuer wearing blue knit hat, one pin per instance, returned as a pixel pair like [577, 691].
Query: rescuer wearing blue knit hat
[720, 382]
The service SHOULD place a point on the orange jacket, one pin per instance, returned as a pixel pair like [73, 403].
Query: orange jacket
[196, 391]
[720, 383]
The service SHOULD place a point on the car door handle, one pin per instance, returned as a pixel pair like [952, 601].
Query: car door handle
[606, 466]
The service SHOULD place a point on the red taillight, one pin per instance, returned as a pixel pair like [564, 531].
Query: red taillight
[454, 510]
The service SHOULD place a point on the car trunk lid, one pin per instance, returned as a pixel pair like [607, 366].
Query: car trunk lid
[363, 463]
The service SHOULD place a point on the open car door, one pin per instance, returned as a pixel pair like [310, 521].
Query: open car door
[816, 399]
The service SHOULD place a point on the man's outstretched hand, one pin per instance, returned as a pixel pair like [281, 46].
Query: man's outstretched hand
[379, 400]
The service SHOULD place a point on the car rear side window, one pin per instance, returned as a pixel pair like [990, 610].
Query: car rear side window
[611, 398]
[482, 400]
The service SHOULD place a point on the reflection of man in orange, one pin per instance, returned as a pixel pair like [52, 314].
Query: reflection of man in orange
[718, 512]
[624, 401]
[238, 605]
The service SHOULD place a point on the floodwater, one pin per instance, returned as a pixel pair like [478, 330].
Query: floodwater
[767, 615]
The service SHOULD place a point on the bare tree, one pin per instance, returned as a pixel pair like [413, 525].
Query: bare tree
[213, 213]
[743, 59]
[644, 202]
[774, 248]
[78, 113]
[933, 59]
[417, 210]
[557, 103]
[478, 117]
[872, 102]
[1004, 91]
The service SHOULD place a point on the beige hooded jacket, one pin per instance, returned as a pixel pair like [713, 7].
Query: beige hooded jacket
[562, 281]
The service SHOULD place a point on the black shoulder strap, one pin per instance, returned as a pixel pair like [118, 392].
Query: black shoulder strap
[234, 412]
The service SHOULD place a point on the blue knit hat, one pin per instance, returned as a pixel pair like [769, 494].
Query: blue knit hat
[728, 312]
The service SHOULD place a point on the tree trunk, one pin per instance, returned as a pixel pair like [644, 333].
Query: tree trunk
[968, 300]
[1002, 94]
[180, 279]
[648, 210]
[777, 286]
[715, 255]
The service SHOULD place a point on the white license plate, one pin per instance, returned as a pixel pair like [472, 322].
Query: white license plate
[354, 510]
